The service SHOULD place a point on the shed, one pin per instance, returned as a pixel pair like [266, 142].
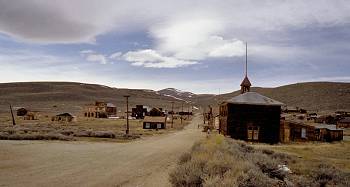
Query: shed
[138, 112]
[251, 117]
[156, 112]
[329, 133]
[294, 131]
[21, 111]
[154, 122]
[344, 123]
[64, 117]
[30, 116]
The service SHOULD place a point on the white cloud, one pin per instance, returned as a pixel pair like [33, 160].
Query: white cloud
[87, 51]
[152, 59]
[116, 55]
[96, 58]
[77, 21]
[195, 39]
[93, 56]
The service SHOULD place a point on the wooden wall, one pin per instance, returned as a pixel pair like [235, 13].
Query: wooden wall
[239, 117]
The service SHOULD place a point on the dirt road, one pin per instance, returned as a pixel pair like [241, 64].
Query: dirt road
[139, 163]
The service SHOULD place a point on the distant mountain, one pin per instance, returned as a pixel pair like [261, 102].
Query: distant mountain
[56, 97]
[177, 94]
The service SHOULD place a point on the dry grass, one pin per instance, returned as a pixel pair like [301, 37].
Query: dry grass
[91, 129]
[220, 161]
[311, 155]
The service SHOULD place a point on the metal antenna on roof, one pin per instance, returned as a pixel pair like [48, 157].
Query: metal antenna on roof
[246, 59]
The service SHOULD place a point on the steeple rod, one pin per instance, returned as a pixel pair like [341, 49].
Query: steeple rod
[246, 59]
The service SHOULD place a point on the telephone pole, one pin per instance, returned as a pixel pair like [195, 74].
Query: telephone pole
[127, 114]
[172, 114]
[188, 112]
[182, 111]
[13, 118]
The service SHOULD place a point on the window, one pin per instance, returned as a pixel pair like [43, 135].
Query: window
[148, 125]
[159, 125]
[303, 133]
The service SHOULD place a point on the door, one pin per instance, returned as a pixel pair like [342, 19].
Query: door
[253, 133]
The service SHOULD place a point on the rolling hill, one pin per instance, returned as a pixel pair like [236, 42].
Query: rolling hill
[53, 97]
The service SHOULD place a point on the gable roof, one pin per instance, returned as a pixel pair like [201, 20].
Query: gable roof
[110, 105]
[155, 119]
[65, 114]
[345, 120]
[253, 98]
[326, 126]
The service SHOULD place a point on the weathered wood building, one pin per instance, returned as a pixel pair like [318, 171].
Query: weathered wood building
[156, 112]
[31, 115]
[344, 123]
[251, 117]
[138, 112]
[100, 110]
[21, 111]
[293, 131]
[154, 122]
[64, 117]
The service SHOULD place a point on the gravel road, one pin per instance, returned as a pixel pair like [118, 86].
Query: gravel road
[145, 162]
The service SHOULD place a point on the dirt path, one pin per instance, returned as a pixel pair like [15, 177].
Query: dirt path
[140, 163]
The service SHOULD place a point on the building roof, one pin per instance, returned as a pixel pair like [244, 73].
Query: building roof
[253, 98]
[326, 126]
[345, 120]
[65, 114]
[155, 119]
[246, 82]
[110, 105]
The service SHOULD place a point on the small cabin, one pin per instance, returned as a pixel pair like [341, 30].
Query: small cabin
[65, 117]
[293, 131]
[344, 123]
[156, 112]
[154, 122]
[138, 112]
[21, 111]
[30, 116]
[328, 133]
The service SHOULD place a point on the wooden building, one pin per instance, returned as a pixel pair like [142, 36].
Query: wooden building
[138, 112]
[100, 110]
[156, 112]
[293, 131]
[326, 119]
[344, 123]
[21, 111]
[251, 117]
[154, 122]
[65, 117]
[328, 133]
[31, 115]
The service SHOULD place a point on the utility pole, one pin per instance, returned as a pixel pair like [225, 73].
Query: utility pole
[172, 114]
[182, 111]
[13, 118]
[188, 112]
[127, 114]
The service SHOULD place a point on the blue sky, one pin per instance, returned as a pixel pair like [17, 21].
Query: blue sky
[195, 46]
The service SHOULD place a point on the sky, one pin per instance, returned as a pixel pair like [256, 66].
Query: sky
[192, 45]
